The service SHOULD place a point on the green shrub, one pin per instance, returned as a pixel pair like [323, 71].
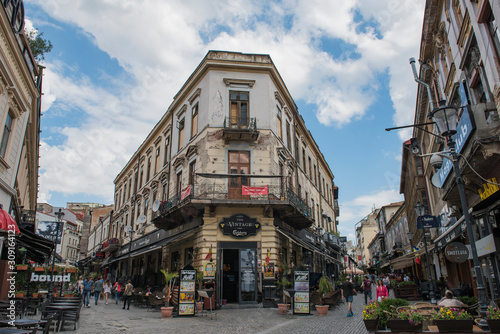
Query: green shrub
[467, 300]
[390, 305]
[408, 283]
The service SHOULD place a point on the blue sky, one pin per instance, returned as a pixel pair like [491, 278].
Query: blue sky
[116, 66]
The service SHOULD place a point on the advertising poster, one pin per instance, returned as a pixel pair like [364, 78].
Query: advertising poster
[301, 297]
[209, 270]
[268, 270]
[187, 285]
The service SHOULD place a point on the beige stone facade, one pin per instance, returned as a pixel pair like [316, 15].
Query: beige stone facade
[233, 127]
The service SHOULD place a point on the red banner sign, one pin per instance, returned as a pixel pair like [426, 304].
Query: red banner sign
[186, 192]
[245, 190]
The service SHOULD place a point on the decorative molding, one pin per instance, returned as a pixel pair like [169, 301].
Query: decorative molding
[158, 140]
[149, 150]
[167, 130]
[181, 111]
[193, 97]
[279, 98]
[191, 151]
[178, 161]
[239, 82]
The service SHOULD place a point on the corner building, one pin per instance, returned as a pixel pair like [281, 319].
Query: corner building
[229, 177]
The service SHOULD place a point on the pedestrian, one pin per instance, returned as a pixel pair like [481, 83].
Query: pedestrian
[97, 289]
[449, 300]
[107, 290]
[382, 291]
[87, 289]
[367, 289]
[118, 290]
[79, 285]
[127, 294]
[406, 278]
[387, 283]
[348, 291]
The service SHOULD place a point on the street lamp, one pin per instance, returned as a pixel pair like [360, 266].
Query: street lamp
[60, 215]
[131, 231]
[420, 211]
[410, 237]
[446, 118]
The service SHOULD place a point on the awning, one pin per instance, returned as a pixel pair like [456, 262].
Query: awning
[155, 246]
[307, 245]
[38, 248]
[451, 234]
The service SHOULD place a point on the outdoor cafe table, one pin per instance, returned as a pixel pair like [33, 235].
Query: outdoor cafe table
[60, 310]
[22, 323]
[4, 330]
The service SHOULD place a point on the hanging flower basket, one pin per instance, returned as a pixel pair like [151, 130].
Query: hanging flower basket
[39, 269]
[71, 270]
[22, 267]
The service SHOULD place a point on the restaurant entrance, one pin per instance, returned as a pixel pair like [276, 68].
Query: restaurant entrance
[238, 272]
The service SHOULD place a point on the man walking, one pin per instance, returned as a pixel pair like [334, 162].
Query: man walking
[367, 289]
[127, 294]
[97, 289]
[348, 291]
[87, 288]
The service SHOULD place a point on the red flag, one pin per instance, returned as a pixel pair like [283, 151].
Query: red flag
[267, 258]
[186, 192]
[209, 255]
[417, 260]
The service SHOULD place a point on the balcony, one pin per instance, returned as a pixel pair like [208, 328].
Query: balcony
[110, 245]
[213, 190]
[240, 129]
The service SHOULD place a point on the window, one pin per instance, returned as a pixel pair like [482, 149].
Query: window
[165, 195]
[192, 171]
[297, 149]
[492, 29]
[304, 160]
[458, 12]
[6, 135]
[239, 108]
[141, 177]
[310, 168]
[238, 163]
[315, 177]
[478, 88]
[124, 192]
[288, 138]
[181, 134]
[138, 209]
[179, 182]
[167, 151]
[194, 120]
[129, 187]
[148, 170]
[188, 256]
[157, 160]
[175, 262]
[278, 116]
[146, 205]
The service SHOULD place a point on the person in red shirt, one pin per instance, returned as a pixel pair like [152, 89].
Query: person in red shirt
[381, 291]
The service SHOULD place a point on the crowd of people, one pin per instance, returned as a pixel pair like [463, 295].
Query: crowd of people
[100, 289]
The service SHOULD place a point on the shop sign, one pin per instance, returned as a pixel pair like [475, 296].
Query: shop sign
[268, 270]
[209, 270]
[456, 252]
[486, 245]
[427, 221]
[48, 278]
[489, 189]
[239, 226]
[465, 127]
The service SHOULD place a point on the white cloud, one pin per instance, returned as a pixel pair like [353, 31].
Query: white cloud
[159, 43]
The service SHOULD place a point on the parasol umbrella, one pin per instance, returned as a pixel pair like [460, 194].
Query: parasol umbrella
[7, 223]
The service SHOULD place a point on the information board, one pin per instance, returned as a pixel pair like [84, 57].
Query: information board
[187, 278]
[301, 296]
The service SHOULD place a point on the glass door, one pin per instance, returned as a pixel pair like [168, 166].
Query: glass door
[248, 276]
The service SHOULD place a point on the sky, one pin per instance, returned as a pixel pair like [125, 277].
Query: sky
[116, 65]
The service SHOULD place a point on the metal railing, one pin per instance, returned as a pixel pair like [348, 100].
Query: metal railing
[241, 123]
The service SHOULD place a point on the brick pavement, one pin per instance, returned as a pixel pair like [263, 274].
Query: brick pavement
[111, 319]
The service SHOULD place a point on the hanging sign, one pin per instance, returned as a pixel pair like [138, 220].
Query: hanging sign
[209, 270]
[246, 190]
[427, 221]
[268, 270]
[301, 296]
[456, 252]
[239, 226]
[187, 287]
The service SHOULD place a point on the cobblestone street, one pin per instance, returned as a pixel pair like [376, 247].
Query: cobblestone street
[112, 318]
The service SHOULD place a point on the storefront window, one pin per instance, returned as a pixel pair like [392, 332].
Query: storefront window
[175, 261]
[188, 256]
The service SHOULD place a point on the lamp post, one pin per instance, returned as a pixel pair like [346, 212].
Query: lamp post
[410, 237]
[131, 231]
[420, 210]
[59, 215]
[446, 118]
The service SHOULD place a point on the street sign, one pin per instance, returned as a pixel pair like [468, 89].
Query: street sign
[427, 221]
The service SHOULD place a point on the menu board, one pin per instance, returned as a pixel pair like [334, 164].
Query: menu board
[187, 292]
[301, 296]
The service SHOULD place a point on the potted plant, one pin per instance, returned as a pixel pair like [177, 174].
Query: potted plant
[39, 269]
[406, 320]
[324, 287]
[20, 267]
[371, 315]
[283, 284]
[493, 318]
[453, 320]
[20, 294]
[166, 312]
[387, 306]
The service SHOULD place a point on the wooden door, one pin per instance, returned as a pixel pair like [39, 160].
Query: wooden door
[239, 163]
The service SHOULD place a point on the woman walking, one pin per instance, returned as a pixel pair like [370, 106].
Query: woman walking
[107, 290]
[382, 292]
[118, 290]
[127, 294]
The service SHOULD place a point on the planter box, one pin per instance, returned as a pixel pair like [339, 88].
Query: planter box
[407, 292]
[398, 325]
[454, 326]
[71, 270]
[22, 267]
[39, 269]
[371, 324]
[494, 325]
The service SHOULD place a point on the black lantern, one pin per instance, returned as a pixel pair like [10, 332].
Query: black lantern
[446, 118]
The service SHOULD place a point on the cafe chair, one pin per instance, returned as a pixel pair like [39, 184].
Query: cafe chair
[154, 302]
[45, 328]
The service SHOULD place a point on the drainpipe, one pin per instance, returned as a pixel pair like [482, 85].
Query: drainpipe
[412, 63]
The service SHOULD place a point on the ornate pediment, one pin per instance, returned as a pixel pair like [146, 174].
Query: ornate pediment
[191, 151]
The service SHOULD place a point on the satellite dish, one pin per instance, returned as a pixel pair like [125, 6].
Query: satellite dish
[156, 205]
[435, 180]
[141, 219]
[128, 229]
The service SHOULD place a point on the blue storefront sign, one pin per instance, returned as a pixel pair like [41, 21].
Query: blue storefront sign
[465, 128]
[428, 221]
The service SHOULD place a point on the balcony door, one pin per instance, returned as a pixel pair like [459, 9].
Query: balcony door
[239, 163]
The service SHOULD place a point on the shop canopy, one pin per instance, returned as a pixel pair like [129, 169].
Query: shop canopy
[7, 223]
[38, 248]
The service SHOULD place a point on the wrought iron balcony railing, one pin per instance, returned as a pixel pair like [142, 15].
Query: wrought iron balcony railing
[240, 123]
